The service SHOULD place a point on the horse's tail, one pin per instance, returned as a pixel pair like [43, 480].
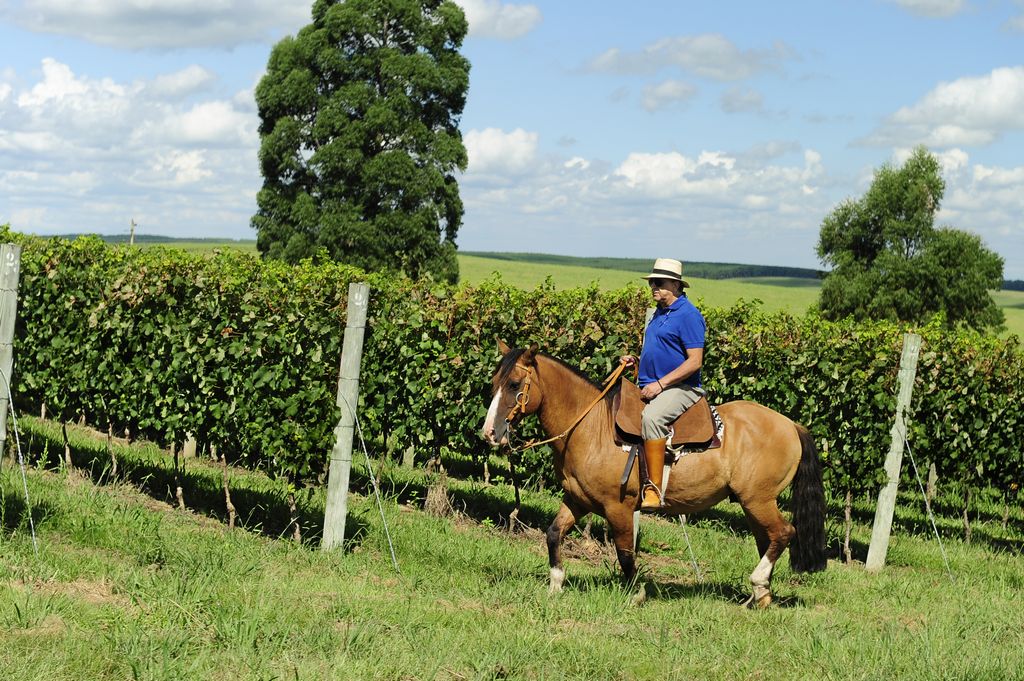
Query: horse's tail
[807, 549]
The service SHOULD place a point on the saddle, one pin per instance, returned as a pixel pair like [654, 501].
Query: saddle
[695, 427]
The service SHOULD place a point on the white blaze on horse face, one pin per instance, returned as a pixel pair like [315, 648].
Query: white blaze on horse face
[492, 424]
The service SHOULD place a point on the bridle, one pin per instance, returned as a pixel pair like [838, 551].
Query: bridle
[522, 397]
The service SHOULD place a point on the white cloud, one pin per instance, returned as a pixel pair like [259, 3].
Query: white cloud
[762, 152]
[999, 177]
[75, 183]
[670, 202]
[187, 81]
[63, 105]
[659, 174]
[660, 180]
[495, 151]
[83, 148]
[26, 216]
[177, 167]
[494, 19]
[932, 8]
[754, 206]
[710, 55]
[971, 111]
[215, 123]
[40, 142]
[988, 201]
[717, 176]
[736, 100]
[164, 24]
[667, 93]
[172, 24]
[60, 85]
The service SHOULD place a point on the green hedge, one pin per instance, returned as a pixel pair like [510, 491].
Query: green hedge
[244, 354]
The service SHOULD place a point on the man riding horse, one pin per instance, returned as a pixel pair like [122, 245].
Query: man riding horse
[669, 368]
[763, 453]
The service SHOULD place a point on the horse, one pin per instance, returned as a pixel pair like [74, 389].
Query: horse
[762, 452]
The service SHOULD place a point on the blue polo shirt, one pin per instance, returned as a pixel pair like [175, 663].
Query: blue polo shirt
[672, 330]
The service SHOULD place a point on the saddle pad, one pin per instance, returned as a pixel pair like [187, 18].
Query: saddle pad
[694, 426]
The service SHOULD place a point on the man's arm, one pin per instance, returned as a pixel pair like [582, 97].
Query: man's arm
[694, 361]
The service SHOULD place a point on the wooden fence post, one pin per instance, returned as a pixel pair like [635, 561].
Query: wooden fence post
[348, 399]
[894, 459]
[10, 269]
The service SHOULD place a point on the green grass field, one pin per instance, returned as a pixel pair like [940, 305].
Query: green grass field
[792, 294]
[125, 586]
[777, 293]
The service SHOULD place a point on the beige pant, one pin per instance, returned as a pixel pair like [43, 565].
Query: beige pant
[664, 409]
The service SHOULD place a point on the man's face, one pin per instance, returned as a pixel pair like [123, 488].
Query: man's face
[664, 291]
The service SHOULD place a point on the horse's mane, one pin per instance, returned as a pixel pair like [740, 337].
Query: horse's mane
[508, 362]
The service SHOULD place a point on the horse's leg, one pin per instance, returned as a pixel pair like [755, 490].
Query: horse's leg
[621, 521]
[566, 517]
[773, 534]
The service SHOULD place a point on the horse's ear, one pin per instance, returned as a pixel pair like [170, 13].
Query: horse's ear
[530, 355]
[503, 348]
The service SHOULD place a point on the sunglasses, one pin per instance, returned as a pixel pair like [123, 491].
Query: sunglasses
[657, 283]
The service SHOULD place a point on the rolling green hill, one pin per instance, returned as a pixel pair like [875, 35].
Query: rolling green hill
[777, 293]
[792, 294]
[704, 270]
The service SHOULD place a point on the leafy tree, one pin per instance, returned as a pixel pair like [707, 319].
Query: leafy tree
[359, 137]
[889, 261]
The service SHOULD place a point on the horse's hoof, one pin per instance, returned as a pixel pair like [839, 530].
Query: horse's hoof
[759, 600]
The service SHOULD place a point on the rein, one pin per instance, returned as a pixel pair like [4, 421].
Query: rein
[523, 399]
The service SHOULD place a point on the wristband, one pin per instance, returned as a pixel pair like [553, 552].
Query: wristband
[658, 381]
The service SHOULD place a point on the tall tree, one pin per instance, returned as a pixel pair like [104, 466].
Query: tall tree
[359, 137]
[889, 261]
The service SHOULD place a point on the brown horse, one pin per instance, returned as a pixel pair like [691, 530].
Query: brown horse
[762, 452]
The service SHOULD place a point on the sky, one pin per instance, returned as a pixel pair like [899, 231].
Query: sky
[703, 131]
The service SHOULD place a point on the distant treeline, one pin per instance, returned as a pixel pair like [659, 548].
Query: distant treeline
[158, 239]
[702, 270]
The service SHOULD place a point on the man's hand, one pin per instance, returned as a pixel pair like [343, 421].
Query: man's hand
[651, 390]
[628, 360]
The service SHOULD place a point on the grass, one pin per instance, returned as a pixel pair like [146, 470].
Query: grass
[125, 586]
[1012, 303]
[705, 270]
[777, 293]
[791, 294]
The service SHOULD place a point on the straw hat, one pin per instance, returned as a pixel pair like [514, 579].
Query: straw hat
[666, 268]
